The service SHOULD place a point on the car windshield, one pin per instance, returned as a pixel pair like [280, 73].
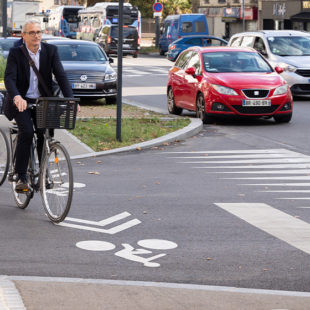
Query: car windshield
[235, 62]
[128, 32]
[80, 52]
[290, 46]
[6, 44]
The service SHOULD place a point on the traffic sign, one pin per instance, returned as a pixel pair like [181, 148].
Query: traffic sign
[158, 7]
[157, 14]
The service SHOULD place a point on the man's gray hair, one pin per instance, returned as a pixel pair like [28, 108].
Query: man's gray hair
[30, 22]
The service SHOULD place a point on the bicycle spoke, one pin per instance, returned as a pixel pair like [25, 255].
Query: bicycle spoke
[57, 183]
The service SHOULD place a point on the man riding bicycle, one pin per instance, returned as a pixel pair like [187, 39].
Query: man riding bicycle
[23, 87]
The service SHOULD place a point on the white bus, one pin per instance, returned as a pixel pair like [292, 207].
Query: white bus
[63, 21]
[94, 18]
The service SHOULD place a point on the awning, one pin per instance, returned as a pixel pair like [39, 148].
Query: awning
[301, 17]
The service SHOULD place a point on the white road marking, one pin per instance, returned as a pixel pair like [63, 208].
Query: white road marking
[110, 220]
[284, 166]
[300, 171]
[275, 222]
[299, 178]
[277, 184]
[95, 245]
[259, 151]
[157, 244]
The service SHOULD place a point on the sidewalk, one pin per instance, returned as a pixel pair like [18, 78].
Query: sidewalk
[81, 294]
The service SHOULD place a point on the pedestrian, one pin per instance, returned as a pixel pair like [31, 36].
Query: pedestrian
[23, 87]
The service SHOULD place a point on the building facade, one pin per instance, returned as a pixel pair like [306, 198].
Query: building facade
[226, 17]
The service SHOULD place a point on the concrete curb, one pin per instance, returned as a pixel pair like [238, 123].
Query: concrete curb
[193, 128]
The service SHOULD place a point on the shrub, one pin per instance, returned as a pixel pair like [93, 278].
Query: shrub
[2, 67]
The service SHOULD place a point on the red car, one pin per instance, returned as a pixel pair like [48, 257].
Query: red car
[227, 81]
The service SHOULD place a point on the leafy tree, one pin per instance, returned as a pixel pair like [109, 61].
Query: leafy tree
[146, 6]
[176, 7]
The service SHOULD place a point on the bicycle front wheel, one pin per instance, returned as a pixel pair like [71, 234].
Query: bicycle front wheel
[56, 183]
[4, 156]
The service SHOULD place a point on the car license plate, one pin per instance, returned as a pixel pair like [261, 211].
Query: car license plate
[256, 103]
[84, 86]
[126, 45]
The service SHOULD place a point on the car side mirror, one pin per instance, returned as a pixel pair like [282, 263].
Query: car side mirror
[190, 71]
[111, 60]
[45, 19]
[279, 70]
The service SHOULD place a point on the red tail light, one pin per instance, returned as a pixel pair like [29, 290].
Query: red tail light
[139, 40]
[109, 39]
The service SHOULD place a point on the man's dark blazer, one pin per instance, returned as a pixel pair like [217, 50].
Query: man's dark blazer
[17, 74]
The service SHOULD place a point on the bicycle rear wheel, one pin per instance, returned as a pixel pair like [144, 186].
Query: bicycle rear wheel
[21, 199]
[4, 156]
[56, 183]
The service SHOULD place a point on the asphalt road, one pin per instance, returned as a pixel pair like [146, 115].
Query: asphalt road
[228, 207]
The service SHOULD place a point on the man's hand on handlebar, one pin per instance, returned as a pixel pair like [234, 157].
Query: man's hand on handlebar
[20, 103]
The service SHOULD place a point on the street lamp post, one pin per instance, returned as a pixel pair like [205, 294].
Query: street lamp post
[4, 18]
[119, 71]
[243, 21]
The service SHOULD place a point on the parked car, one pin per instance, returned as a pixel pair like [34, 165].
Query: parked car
[6, 44]
[283, 48]
[176, 47]
[177, 26]
[88, 69]
[108, 39]
[228, 81]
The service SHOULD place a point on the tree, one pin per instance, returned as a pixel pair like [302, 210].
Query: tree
[172, 7]
[146, 6]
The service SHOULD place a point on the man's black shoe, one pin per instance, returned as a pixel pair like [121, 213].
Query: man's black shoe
[22, 186]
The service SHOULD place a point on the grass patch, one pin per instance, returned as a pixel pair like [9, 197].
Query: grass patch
[100, 134]
[148, 49]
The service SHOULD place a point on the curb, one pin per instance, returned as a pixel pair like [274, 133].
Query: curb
[192, 129]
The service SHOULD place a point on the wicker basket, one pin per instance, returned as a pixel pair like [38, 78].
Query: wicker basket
[54, 112]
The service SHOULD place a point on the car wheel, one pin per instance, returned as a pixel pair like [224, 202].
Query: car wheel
[135, 55]
[201, 110]
[285, 118]
[172, 108]
[110, 100]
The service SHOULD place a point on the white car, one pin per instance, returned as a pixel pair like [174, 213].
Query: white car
[288, 49]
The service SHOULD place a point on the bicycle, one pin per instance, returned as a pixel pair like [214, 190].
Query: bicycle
[53, 175]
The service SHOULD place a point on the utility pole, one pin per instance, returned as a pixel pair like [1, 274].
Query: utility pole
[119, 71]
[243, 21]
[4, 18]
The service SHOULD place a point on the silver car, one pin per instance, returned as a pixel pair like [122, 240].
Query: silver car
[288, 49]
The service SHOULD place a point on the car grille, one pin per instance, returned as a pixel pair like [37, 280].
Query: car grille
[255, 93]
[255, 110]
[303, 72]
[93, 77]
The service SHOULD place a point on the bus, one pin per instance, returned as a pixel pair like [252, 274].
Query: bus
[63, 21]
[94, 18]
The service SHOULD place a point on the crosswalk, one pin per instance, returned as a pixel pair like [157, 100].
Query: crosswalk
[271, 170]
[144, 71]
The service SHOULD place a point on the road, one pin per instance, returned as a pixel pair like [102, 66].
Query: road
[228, 207]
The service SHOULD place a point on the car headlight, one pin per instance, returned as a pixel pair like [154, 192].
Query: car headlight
[224, 90]
[287, 67]
[281, 90]
[110, 76]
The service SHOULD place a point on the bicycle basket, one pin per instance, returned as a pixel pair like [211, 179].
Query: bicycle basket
[56, 113]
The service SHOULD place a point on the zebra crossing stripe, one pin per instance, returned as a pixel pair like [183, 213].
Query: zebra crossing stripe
[273, 221]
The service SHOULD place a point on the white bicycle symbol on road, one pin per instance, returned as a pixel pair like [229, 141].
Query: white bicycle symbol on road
[129, 252]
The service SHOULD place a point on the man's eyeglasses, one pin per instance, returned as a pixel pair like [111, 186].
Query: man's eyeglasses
[33, 33]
